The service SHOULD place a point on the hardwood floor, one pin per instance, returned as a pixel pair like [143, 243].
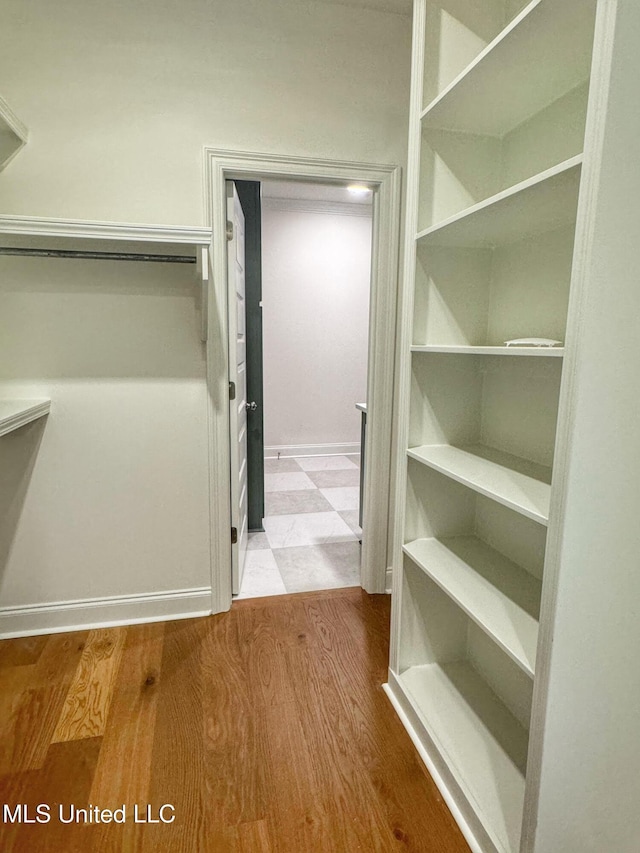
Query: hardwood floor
[265, 728]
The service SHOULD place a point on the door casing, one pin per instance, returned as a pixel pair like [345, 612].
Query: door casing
[385, 181]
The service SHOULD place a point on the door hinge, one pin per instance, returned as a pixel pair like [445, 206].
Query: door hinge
[232, 390]
[229, 230]
[234, 535]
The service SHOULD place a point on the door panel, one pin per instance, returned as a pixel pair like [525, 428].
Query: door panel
[249, 193]
[237, 375]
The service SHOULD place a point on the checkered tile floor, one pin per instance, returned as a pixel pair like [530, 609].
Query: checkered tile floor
[311, 538]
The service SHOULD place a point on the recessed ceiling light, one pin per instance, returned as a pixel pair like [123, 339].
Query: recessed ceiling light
[358, 189]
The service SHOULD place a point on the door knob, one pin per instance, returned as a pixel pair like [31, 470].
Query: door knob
[251, 407]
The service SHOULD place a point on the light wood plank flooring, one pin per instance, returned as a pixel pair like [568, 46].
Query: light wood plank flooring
[265, 728]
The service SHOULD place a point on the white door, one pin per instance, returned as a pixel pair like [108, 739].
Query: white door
[238, 378]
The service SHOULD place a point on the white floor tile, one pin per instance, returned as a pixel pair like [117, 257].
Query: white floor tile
[289, 482]
[324, 463]
[319, 566]
[261, 576]
[347, 497]
[310, 528]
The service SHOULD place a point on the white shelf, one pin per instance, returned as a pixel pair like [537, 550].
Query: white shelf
[542, 203]
[500, 596]
[17, 413]
[540, 352]
[511, 481]
[483, 744]
[544, 53]
[13, 134]
[70, 234]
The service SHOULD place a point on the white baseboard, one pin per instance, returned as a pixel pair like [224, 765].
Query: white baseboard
[415, 730]
[105, 612]
[311, 450]
[388, 583]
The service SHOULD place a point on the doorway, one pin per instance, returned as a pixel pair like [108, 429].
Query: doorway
[384, 181]
[311, 295]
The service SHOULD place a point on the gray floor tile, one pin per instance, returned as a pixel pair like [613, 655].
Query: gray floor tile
[352, 519]
[258, 542]
[287, 465]
[332, 479]
[319, 566]
[324, 463]
[292, 503]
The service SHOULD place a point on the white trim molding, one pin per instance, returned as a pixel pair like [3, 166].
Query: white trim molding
[15, 414]
[107, 612]
[348, 449]
[385, 181]
[32, 230]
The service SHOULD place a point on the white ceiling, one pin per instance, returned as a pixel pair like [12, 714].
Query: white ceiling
[315, 192]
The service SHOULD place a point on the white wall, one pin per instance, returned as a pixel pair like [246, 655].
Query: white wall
[109, 496]
[316, 270]
[121, 97]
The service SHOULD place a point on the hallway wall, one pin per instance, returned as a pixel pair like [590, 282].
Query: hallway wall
[316, 283]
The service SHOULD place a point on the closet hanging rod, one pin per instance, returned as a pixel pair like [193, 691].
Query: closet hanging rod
[97, 256]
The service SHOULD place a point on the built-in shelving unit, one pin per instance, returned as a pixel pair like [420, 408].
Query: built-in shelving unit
[464, 720]
[500, 596]
[512, 79]
[516, 483]
[499, 103]
[545, 201]
[18, 413]
[540, 352]
[13, 134]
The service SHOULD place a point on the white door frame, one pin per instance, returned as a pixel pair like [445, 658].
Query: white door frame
[220, 166]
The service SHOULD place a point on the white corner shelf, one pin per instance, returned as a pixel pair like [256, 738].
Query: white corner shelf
[516, 483]
[488, 100]
[539, 352]
[88, 235]
[501, 597]
[13, 134]
[542, 203]
[18, 413]
[481, 742]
